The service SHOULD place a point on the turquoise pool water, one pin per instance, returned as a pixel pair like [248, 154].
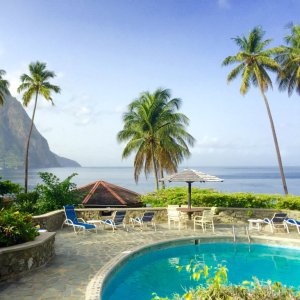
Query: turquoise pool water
[156, 271]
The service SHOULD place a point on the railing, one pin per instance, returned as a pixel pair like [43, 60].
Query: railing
[247, 233]
[233, 232]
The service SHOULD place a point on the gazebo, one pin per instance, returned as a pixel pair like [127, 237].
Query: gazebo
[104, 194]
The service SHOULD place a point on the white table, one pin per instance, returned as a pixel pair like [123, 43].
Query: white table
[255, 224]
[95, 222]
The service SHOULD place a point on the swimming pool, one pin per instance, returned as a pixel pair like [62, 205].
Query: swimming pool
[155, 271]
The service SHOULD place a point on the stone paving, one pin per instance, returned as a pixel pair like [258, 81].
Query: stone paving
[79, 257]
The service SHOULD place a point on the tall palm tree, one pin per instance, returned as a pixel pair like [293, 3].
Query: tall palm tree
[35, 84]
[4, 85]
[156, 132]
[254, 62]
[289, 58]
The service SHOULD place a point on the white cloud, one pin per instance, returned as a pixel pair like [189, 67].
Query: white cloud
[223, 3]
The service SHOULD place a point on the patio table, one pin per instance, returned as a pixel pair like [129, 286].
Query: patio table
[255, 224]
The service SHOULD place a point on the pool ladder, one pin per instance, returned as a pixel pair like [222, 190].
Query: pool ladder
[247, 234]
[233, 232]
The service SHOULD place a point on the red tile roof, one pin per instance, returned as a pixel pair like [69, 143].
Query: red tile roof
[104, 194]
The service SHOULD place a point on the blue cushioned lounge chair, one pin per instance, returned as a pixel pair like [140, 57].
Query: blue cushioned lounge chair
[277, 221]
[117, 220]
[147, 218]
[293, 222]
[72, 220]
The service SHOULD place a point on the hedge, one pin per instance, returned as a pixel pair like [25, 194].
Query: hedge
[212, 198]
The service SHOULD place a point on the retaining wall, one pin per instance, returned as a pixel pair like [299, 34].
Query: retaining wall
[23, 258]
[52, 221]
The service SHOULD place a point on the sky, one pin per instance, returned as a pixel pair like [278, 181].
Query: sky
[105, 53]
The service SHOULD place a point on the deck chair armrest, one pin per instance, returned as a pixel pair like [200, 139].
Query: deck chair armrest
[109, 222]
[136, 219]
[198, 218]
[267, 221]
[81, 220]
[68, 221]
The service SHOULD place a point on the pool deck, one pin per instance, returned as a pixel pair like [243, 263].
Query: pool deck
[79, 257]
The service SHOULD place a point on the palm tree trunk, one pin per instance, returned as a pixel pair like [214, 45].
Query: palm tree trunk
[163, 186]
[154, 168]
[275, 142]
[28, 143]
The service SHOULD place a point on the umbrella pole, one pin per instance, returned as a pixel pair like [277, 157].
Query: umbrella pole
[189, 194]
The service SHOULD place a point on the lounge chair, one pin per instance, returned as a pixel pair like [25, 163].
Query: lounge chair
[147, 218]
[72, 220]
[117, 220]
[292, 222]
[277, 222]
[206, 220]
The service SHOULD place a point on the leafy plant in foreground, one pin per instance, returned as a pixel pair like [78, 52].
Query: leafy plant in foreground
[15, 228]
[215, 287]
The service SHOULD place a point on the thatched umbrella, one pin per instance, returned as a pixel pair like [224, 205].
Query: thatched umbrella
[191, 176]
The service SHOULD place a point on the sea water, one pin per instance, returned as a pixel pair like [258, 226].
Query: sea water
[236, 179]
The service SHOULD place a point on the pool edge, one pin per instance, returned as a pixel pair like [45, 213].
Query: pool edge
[96, 285]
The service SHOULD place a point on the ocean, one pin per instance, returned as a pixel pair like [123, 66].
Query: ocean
[236, 179]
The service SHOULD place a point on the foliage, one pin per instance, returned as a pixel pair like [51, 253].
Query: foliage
[15, 228]
[215, 287]
[4, 84]
[53, 193]
[156, 132]
[289, 58]
[212, 198]
[26, 202]
[9, 187]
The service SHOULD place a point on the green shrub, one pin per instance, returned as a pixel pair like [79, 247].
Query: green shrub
[15, 228]
[9, 187]
[54, 194]
[215, 286]
[289, 202]
[212, 198]
[27, 202]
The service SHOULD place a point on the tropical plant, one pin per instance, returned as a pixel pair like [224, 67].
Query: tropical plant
[54, 194]
[254, 62]
[156, 132]
[289, 58]
[4, 85]
[15, 228]
[215, 286]
[35, 84]
[27, 202]
[9, 187]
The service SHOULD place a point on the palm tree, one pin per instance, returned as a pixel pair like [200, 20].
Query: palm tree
[289, 58]
[35, 84]
[4, 85]
[155, 131]
[254, 62]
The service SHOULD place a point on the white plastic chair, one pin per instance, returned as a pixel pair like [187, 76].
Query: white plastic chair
[206, 220]
[176, 217]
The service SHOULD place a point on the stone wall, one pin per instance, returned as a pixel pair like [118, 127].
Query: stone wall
[95, 213]
[52, 221]
[20, 259]
[242, 215]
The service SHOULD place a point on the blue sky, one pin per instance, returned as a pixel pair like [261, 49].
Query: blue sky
[106, 52]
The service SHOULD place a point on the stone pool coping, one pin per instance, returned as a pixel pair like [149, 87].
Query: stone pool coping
[99, 281]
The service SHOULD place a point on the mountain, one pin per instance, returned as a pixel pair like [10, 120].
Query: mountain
[14, 129]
